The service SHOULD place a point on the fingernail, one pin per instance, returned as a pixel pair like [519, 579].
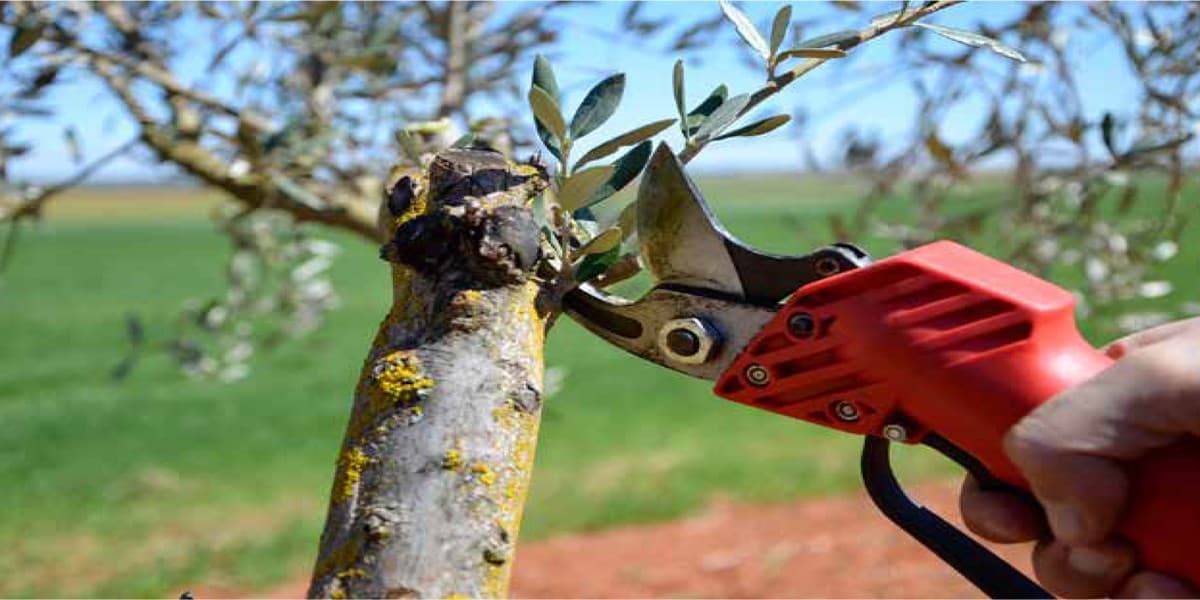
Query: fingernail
[1091, 562]
[1065, 520]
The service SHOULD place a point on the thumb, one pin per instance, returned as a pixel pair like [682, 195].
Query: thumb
[1148, 337]
[1073, 449]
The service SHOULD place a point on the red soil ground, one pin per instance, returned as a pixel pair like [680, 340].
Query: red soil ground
[834, 547]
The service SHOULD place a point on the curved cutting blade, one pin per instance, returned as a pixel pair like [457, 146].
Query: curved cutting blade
[684, 245]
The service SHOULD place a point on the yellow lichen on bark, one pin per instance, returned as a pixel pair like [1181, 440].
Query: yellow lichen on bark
[349, 473]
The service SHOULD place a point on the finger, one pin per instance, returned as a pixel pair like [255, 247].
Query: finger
[999, 516]
[1122, 347]
[1072, 448]
[1149, 584]
[1083, 571]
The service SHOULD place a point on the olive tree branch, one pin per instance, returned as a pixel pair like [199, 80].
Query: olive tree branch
[776, 83]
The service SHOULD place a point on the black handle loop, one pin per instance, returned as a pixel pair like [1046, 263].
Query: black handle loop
[990, 573]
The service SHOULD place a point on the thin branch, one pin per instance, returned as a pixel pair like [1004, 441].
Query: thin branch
[775, 84]
[33, 206]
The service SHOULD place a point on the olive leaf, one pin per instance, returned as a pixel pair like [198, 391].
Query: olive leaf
[758, 127]
[971, 38]
[842, 39]
[464, 142]
[545, 112]
[594, 265]
[723, 117]
[779, 27]
[607, 240]
[680, 99]
[628, 138]
[706, 108]
[627, 220]
[599, 104]
[579, 187]
[810, 53]
[543, 77]
[1107, 129]
[625, 170]
[746, 29]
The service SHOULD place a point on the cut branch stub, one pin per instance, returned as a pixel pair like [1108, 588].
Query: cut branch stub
[433, 470]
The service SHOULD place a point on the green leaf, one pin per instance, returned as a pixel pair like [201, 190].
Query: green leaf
[539, 211]
[971, 38]
[594, 265]
[552, 237]
[842, 39]
[628, 138]
[680, 97]
[25, 34]
[821, 53]
[706, 108]
[627, 220]
[779, 27]
[723, 117]
[545, 112]
[625, 170]
[579, 187]
[543, 77]
[607, 240]
[464, 142]
[758, 127]
[599, 104]
[746, 29]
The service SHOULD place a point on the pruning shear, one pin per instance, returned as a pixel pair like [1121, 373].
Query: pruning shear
[939, 345]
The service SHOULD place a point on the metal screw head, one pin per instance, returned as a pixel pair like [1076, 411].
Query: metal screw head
[845, 411]
[757, 375]
[802, 325]
[827, 266]
[689, 341]
[895, 432]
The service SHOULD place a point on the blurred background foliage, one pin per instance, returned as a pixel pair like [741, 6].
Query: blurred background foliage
[125, 478]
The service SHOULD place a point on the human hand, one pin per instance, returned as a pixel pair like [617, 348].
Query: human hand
[1073, 450]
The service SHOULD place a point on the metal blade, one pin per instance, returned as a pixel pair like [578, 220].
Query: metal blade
[683, 244]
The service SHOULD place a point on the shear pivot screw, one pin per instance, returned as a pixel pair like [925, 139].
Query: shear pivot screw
[895, 432]
[826, 266]
[758, 375]
[801, 325]
[845, 411]
[688, 341]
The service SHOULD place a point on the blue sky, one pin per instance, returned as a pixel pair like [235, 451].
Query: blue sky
[874, 99]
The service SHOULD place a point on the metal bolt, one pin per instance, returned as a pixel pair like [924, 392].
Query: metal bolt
[845, 411]
[689, 341]
[895, 432]
[683, 342]
[802, 325]
[758, 375]
[827, 266]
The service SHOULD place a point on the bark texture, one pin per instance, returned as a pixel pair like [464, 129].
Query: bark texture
[433, 471]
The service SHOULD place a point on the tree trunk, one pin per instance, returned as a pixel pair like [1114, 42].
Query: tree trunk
[432, 474]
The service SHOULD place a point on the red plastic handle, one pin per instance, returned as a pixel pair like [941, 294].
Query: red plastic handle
[944, 339]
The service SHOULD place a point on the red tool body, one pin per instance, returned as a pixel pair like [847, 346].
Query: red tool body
[944, 340]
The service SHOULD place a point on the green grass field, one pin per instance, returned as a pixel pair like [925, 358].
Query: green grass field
[146, 486]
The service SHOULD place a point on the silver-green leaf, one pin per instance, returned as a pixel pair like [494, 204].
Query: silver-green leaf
[723, 117]
[746, 29]
[625, 170]
[841, 39]
[599, 104]
[628, 138]
[971, 38]
[680, 97]
[579, 187]
[766, 125]
[779, 27]
[546, 112]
